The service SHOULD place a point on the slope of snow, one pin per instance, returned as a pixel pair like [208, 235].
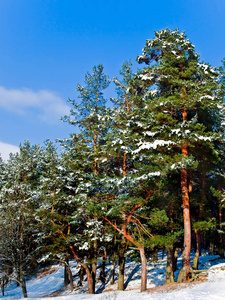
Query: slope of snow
[212, 289]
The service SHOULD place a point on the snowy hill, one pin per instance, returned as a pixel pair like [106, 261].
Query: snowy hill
[44, 284]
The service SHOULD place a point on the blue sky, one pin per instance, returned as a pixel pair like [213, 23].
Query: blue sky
[47, 46]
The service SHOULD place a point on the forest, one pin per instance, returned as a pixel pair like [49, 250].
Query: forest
[144, 173]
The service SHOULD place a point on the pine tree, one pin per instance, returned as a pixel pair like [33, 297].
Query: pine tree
[90, 116]
[18, 201]
[54, 209]
[179, 90]
[126, 186]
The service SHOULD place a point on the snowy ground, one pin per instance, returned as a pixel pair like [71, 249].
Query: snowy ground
[212, 289]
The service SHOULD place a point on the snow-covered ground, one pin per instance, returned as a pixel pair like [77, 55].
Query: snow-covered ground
[213, 288]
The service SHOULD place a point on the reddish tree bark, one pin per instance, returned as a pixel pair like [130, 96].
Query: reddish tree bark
[87, 271]
[143, 269]
[186, 263]
[136, 243]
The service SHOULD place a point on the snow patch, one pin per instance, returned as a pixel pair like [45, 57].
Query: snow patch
[217, 272]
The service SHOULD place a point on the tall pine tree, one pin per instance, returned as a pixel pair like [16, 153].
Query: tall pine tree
[179, 90]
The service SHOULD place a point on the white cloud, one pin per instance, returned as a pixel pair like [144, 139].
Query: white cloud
[46, 105]
[5, 149]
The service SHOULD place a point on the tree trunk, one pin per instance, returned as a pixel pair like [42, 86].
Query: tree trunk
[94, 265]
[89, 281]
[121, 264]
[93, 274]
[176, 254]
[198, 250]
[102, 273]
[113, 271]
[91, 285]
[3, 289]
[70, 275]
[87, 271]
[66, 275]
[143, 269]
[22, 281]
[23, 286]
[3, 282]
[170, 266]
[211, 248]
[81, 275]
[186, 263]
[114, 260]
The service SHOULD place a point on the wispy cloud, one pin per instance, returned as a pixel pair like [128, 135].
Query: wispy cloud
[46, 105]
[5, 149]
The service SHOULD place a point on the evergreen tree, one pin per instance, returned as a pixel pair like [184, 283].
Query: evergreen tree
[90, 116]
[55, 209]
[18, 201]
[179, 90]
[126, 186]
